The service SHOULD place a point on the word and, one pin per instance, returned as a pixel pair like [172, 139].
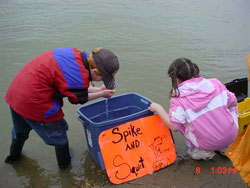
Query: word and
[127, 170]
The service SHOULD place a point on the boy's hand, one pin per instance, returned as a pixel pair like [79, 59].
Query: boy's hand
[107, 93]
[103, 87]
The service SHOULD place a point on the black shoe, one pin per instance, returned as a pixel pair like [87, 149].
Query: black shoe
[11, 159]
[63, 156]
[15, 151]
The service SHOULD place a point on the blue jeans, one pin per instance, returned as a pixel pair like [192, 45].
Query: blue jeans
[52, 133]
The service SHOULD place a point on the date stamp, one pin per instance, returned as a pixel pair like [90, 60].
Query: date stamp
[218, 170]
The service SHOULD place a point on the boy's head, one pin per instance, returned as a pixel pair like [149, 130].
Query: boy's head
[107, 64]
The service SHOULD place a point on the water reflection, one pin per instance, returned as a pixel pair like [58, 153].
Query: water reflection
[94, 175]
[83, 172]
[30, 172]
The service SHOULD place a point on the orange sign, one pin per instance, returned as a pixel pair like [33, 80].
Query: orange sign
[136, 148]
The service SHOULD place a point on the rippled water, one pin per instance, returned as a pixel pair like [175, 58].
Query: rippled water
[146, 35]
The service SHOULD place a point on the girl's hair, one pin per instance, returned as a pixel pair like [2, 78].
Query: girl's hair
[183, 69]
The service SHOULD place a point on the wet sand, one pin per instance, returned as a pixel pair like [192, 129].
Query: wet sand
[186, 172]
[85, 173]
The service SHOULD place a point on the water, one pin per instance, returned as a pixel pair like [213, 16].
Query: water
[146, 35]
[107, 109]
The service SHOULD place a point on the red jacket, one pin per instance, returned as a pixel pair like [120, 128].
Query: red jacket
[37, 90]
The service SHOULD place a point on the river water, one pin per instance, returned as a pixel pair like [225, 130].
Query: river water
[146, 35]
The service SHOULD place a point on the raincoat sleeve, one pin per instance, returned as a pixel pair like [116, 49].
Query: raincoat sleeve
[80, 96]
[176, 114]
[75, 96]
[231, 96]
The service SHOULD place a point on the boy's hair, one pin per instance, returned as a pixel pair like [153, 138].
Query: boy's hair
[91, 60]
[183, 69]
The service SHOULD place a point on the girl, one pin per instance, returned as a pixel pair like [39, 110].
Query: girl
[203, 110]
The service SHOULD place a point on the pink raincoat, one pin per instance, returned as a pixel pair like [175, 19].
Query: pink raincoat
[203, 113]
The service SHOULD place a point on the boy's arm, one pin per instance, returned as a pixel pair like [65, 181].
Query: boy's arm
[107, 93]
[93, 89]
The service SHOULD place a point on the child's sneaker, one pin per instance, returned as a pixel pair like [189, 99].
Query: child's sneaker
[197, 154]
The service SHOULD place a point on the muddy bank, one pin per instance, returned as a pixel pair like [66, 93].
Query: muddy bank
[185, 172]
[31, 172]
[189, 173]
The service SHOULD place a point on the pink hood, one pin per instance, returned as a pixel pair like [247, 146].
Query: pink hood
[197, 93]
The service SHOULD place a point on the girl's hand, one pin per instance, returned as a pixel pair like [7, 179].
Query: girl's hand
[154, 107]
[107, 93]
